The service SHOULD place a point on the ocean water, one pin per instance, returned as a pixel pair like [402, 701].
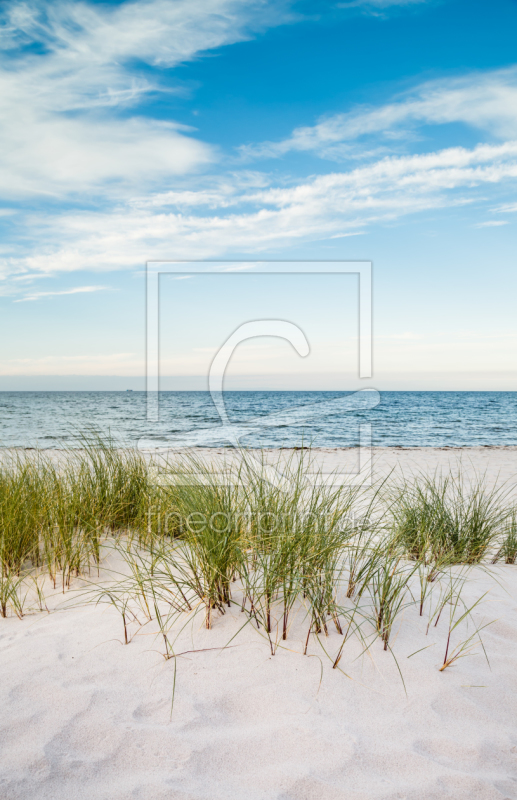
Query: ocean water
[261, 419]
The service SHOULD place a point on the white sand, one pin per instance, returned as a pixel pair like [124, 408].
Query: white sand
[498, 463]
[84, 716]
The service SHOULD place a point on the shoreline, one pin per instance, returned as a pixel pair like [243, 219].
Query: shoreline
[197, 448]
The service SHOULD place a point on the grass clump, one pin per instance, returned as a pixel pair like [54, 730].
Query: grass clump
[297, 529]
[508, 549]
[447, 519]
[267, 534]
[389, 588]
[22, 495]
[55, 511]
[202, 517]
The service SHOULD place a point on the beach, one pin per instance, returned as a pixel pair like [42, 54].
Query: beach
[498, 464]
[258, 400]
[84, 715]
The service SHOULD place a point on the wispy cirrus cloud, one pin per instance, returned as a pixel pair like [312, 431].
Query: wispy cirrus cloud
[378, 8]
[70, 86]
[492, 223]
[75, 290]
[69, 132]
[507, 208]
[335, 204]
[378, 3]
[486, 102]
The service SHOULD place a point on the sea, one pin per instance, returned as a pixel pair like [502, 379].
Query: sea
[259, 419]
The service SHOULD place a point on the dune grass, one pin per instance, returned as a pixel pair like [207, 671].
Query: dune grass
[264, 535]
[448, 519]
[294, 550]
[508, 549]
[55, 512]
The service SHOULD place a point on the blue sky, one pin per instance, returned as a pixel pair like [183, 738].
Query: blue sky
[221, 129]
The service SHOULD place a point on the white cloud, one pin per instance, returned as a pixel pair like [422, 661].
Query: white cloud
[158, 32]
[75, 290]
[508, 208]
[493, 223]
[52, 156]
[240, 267]
[63, 135]
[222, 192]
[61, 103]
[484, 101]
[379, 3]
[340, 203]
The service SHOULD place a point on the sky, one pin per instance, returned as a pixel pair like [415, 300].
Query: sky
[243, 132]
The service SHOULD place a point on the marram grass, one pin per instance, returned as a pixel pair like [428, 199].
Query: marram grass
[261, 536]
[55, 510]
[446, 518]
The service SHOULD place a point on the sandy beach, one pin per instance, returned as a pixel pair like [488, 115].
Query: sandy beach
[86, 716]
[258, 400]
[498, 464]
